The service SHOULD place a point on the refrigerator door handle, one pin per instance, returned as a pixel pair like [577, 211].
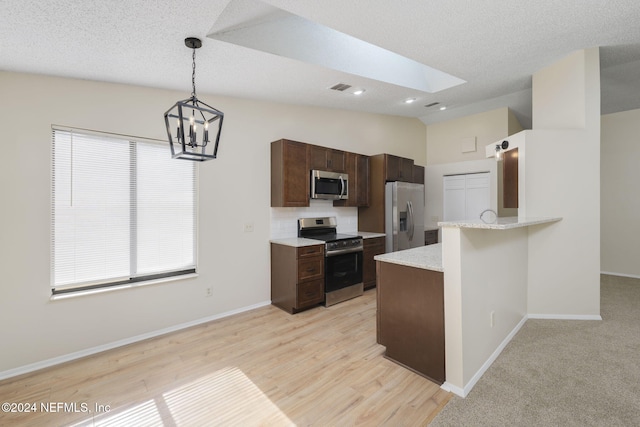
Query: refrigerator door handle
[411, 220]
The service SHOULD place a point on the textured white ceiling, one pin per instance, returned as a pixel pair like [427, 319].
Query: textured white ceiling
[494, 45]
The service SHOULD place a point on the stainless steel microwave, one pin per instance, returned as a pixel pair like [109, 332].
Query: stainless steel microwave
[329, 185]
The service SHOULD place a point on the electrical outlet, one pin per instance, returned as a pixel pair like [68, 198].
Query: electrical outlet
[248, 227]
[492, 318]
[208, 291]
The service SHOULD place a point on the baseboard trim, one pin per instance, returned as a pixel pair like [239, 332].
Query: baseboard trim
[609, 273]
[109, 346]
[566, 316]
[463, 392]
[453, 389]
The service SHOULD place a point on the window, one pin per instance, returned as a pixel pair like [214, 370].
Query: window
[123, 211]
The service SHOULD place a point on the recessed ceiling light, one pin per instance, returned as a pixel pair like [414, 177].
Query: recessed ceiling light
[409, 100]
[358, 92]
[443, 108]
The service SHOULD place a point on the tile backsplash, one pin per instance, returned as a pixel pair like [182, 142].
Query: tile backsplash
[284, 221]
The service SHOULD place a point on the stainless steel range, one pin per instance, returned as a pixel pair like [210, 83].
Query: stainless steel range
[343, 258]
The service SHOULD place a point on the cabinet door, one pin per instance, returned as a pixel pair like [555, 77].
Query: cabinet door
[336, 160]
[317, 157]
[510, 179]
[326, 159]
[392, 167]
[310, 293]
[406, 170]
[357, 167]
[398, 168]
[362, 180]
[372, 247]
[418, 174]
[289, 174]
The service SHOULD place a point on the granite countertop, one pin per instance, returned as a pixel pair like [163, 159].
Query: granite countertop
[299, 242]
[426, 257]
[504, 223]
[369, 234]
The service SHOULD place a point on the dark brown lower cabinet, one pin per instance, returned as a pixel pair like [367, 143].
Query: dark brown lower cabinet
[371, 247]
[297, 276]
[410, 318]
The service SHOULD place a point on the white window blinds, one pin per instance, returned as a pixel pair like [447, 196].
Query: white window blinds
[122, 211]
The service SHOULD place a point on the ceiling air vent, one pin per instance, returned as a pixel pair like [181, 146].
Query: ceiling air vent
[341, 87]
[433, 104]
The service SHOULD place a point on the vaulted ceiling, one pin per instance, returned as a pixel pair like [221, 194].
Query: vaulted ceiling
[493, 46]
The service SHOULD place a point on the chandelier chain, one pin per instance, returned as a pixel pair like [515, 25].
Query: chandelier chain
[193, 73]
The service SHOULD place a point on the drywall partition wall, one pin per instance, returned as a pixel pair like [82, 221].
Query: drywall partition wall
[447, 142]
[563, 179]
[234, 190]
[619, 203]
[514, 124]
[485, 276]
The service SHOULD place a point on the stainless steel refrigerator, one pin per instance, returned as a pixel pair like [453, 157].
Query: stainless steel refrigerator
[404, 215]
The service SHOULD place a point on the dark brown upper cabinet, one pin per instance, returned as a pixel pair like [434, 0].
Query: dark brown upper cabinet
[418, 174]
[398, 168]
[510, 178]
[326, 159]
[289, 174]
[357, 167]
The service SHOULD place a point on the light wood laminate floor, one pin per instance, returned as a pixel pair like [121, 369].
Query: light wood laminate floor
[321, 367]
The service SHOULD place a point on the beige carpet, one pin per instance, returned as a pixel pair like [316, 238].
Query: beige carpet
[563, 372]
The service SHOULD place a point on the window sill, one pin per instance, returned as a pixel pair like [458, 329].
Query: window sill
[121, 287]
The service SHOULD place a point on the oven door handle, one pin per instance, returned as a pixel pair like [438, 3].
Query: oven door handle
[343, 251]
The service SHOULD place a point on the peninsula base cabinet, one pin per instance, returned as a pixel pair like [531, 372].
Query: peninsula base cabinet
[410, 318]
[297, 276]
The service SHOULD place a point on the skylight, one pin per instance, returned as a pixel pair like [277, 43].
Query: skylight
[256, 25]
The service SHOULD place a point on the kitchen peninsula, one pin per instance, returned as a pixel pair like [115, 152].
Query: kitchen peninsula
[468, 294]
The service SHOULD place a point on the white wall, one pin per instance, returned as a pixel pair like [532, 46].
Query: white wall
[562, 171]
[445, 157]
[446, 140]
[485, 271]
[284, 221]
[234, 189]
[619, 203]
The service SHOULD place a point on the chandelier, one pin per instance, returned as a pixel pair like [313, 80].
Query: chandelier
[197, 126]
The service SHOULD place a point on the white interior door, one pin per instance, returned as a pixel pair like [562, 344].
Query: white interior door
[466, 196]
[454, 208]
[477, 195]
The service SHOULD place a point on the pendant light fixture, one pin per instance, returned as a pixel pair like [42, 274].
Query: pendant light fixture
[193, 127]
